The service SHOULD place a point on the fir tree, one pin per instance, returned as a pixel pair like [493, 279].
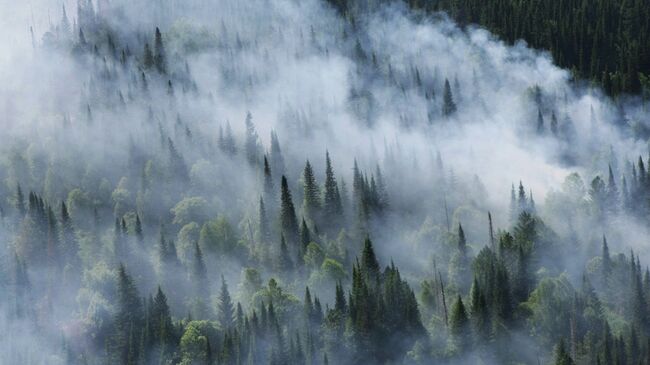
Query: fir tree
[332, 205]
[311, 194]
[225, 308]
[147, 58]
[540, 122]
[251, 142]
[448, 104]
[159, 58]
[288, 220]
[459, 327]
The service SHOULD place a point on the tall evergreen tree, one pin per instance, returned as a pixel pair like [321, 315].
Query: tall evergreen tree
[159, 57]
[332, 205]
[459, 327]
[251, 143]
[448, 104]
[311, 194]
[288, 220]
[225, 308]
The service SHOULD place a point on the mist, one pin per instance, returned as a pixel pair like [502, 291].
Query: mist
[157, 159]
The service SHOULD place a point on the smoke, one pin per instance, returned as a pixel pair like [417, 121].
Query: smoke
[371, 93]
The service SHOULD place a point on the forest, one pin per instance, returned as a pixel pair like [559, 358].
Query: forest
[604, 41]
[217, 182]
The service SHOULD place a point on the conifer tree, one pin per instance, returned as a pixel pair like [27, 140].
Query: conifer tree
[128, 316]
[288, 220]
[159, 58]
[305, 235]
[67, 236]
[480, 315]
[612, 193]
[448, 104]
[562, 356]
[540, 122]
[147, 58]
[606, 259]
[332, 205]
[199, 279]
[369, 264]
[276, 159]
[514, 209]
[225, 308]
[283, 262]
[554, 126]
[251, 143]
[459, 326]
[139, 234]
[311, 194]
[264, 229]
[268, 181]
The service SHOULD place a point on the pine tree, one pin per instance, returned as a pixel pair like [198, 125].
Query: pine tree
[514, 208]
[147, 58]
[159, 58]
[67, 236]
[606, 260]
[311, 194]
[540, 122]
[251, 142]
[332, 205]
[268, 181]
[65, 22]
[480, 314]
[128, 315]
[369, 264]
[139, 234]
[612, 193]
[462, 242]
[522, 200]
[284, 264]
[199, 279]
[288, 220]
[225, 308]
[305, 235]
[264, 229]
[554, 126]
[448, 104]
[277, 161]
[20, 202]
[522, 277]
[459, 327]
[562, 356]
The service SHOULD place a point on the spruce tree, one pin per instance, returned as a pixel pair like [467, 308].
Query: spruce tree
[540, 122]
[448, 104]
[199, 279]
[562, 356]
[288, 220]
[276, 159]
[554, 126]
[459, 326]
[159, 58]
[268, 180]
[225, 308]
[369, 264]
[264, 228]
[311, 194]
[332, 205]
[251, 143]
[147, 58]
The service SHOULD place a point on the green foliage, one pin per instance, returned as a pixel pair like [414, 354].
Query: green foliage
[193, 209]
[218, 236]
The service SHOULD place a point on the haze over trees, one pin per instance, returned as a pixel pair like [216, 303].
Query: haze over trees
[314, 182]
